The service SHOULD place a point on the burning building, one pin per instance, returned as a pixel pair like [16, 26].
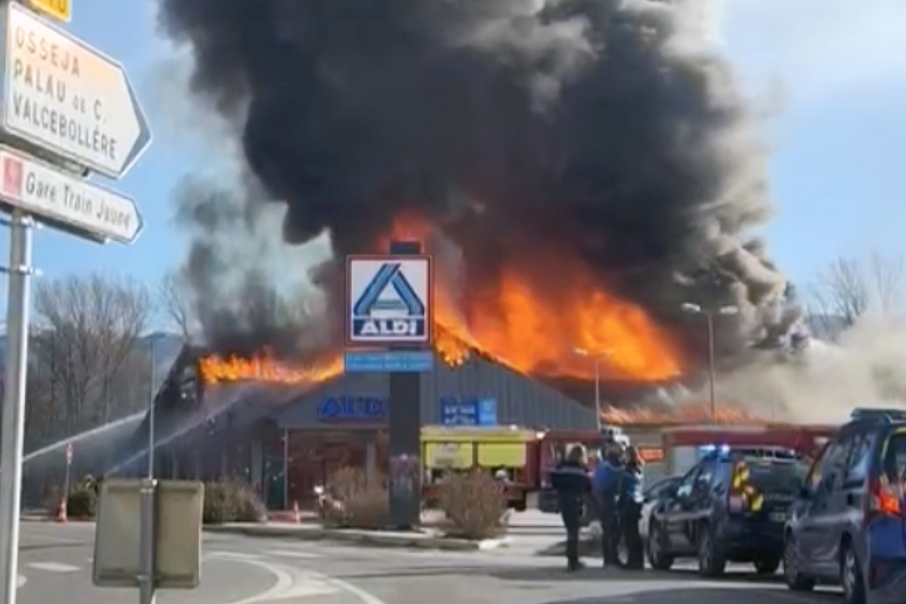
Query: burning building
[264, 421]
[579, 169]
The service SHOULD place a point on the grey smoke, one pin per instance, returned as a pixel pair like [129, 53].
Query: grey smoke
[611, 132]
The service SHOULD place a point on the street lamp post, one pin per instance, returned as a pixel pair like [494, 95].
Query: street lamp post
[709, 317]
[596, 357]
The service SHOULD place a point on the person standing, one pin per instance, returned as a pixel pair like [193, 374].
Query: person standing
[631, 499]
[571, 481]
[606, 486]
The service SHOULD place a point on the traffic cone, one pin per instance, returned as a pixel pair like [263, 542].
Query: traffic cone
[297, 515]
[61, 511]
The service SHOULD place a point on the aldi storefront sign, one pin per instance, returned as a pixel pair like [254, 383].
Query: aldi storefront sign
[352, 409]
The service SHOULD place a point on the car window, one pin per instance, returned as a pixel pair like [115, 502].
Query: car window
[816, 472]
[895, 457]
[860, 456]
[776, 475]
[688, 482]
[833, 467]
[703, 479]
[661, 487]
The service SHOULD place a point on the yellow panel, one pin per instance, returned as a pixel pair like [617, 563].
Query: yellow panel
[449, 455]
[444, 434]
[60, 10]
[492, 455]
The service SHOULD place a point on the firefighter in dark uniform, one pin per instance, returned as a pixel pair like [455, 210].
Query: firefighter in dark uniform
[630, 503]
[571, 481]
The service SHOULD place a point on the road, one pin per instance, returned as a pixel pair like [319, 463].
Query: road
[55, 565]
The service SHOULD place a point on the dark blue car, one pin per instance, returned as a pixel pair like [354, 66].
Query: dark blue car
[848, 525]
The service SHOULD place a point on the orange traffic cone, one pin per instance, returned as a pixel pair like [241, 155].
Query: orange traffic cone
[61, 511]
[297, 515]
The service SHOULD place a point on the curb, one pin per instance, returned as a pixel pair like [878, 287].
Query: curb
[373, 538]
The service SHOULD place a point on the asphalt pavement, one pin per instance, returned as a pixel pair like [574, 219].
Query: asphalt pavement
[55, 566]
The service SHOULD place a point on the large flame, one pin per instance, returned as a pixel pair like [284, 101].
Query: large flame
[573, 331]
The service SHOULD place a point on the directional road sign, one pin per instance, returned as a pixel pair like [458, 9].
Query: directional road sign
[63, 96]
[47, 192]
[61, 10]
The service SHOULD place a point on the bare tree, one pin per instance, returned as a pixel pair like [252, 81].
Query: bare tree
[176, 301]
[850, 288]
[90, 348]
[886, 277]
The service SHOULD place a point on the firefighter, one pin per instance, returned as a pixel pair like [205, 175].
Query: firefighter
[606, 487]
[570, 480]
[630, 502]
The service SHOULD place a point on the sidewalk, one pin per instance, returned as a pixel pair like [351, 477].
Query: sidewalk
[428, 539]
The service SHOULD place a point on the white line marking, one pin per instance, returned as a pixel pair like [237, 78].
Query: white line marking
[54, 567]
[289, 554]
[363, 596]
[20, 581]
[290, 584]
[235, 555]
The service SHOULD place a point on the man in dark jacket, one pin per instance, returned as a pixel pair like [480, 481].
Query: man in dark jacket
[571, 481]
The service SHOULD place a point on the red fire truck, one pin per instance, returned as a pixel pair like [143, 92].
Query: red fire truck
[683, 445]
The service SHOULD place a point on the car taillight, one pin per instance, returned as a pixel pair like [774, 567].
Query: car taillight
[884, 499]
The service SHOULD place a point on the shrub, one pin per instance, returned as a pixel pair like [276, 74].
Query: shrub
[232, 500]
[474, 503]
[82, 502]
[354, 504]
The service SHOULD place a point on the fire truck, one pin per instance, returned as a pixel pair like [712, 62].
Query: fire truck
[508, 453]
[684, 445]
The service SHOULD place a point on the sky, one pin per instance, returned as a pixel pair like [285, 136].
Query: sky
[829, 74]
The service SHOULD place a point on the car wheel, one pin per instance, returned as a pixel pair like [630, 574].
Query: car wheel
[711, 561]
[792, 563]
[658, 559]
[767, 565]
[851, 577]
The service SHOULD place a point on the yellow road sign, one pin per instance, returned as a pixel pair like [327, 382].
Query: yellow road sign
[58, 9]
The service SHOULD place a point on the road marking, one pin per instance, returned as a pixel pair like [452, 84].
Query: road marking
[290, 584]
[55, 567]
[289, 554]
[235, 555]
[20, 581]
[363, 596]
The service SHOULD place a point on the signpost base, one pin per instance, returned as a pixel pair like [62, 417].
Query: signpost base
[147, 547]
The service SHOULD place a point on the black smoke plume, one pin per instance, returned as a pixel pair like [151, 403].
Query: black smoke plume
[609, 131]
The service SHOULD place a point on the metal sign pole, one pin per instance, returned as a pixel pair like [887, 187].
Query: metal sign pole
[404, 424]
[13, 427]
[146, 581]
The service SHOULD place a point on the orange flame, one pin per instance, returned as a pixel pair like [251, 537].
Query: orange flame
[265, 368]
[538, 331]
[531, 329]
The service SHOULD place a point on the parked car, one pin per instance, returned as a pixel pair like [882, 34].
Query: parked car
[653, 495]
[730, 507]
[848, 525]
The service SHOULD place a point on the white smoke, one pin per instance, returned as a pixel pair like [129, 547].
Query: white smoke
[823, 382]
